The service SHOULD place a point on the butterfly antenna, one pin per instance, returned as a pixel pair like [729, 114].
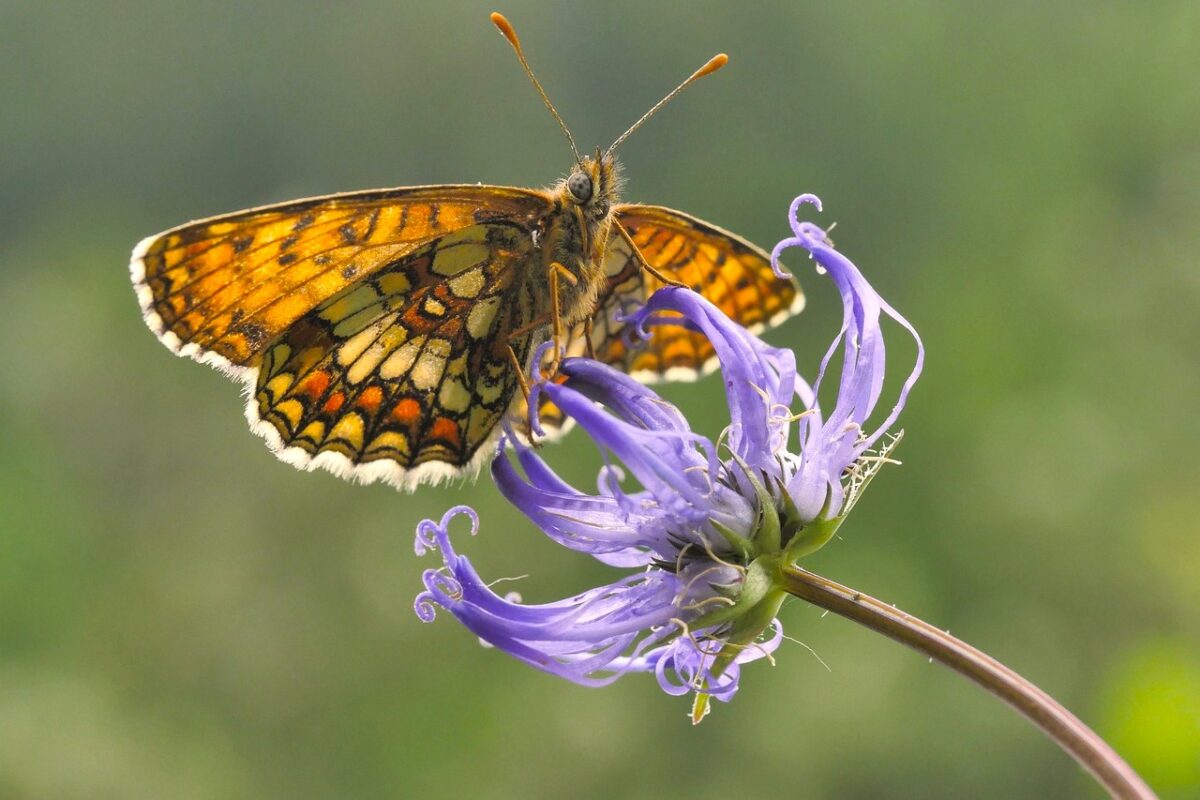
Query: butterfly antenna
[510, 33]
[714, 64]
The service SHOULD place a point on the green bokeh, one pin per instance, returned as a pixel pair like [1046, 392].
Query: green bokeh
[183, 616]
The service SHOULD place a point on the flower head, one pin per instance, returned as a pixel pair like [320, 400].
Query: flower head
[710, 523]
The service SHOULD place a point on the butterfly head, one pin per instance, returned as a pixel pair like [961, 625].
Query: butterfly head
[594, 181]
[593, 184]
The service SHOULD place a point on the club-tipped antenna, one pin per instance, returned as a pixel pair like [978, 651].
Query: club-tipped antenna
[714, 64]
[510, 33]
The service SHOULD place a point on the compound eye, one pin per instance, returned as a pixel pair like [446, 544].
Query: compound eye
[580, 187]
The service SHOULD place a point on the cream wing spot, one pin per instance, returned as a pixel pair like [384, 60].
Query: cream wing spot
[391, 338]
[479, 320]
[454, 396]
[357, 344]
[366, 363]
[459, 252]
[430, 364]
[467, 285]
[402, 360]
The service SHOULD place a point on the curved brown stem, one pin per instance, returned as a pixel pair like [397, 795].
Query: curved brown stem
[1060, 725]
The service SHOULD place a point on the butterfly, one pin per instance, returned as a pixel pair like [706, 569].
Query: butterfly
[386, 335]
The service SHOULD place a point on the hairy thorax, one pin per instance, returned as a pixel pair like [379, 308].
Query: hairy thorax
[576, 233]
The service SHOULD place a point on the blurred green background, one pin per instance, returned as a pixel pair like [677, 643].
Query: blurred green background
[183, 616]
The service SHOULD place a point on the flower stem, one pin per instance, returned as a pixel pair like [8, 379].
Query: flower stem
[1060, 725]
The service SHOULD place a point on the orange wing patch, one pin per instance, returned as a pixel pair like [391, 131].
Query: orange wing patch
[733, 274]
[729, 271]
[220, 290]
[405, 376]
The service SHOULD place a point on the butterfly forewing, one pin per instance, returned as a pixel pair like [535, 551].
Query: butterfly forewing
[221, 289]
[729, 271]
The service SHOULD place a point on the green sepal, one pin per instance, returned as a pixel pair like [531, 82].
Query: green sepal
[767, 539]
[740, 544]
[811, 538]
[755, 612]
[791, 515]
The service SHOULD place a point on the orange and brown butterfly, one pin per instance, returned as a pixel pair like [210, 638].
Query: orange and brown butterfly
[386, 335]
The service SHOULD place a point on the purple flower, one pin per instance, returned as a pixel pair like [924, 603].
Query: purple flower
[635, 624]
[709, 523]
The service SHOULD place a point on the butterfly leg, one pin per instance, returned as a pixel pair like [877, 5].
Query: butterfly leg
[523, 383]
[588, 349]
[646, 265]
[520, 370]
[557, 272]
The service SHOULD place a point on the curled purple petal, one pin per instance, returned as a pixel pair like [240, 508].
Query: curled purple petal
[432, 535]
[830, 445]
[793, 221]
[591, 638]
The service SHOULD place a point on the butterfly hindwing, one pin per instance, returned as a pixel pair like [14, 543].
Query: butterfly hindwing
[404, 376]
[220, 290]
